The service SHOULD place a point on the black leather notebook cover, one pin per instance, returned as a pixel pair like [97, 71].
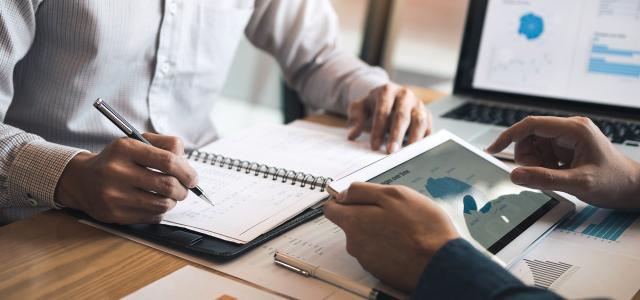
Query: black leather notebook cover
[198, 244]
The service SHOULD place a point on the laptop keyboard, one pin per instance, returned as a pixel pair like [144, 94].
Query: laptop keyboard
[617, 131]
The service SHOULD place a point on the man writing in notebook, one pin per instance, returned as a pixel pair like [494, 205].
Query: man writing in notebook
[160, 63]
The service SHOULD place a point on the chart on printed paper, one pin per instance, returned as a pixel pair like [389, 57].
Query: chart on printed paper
[577, 271]
[603, 229]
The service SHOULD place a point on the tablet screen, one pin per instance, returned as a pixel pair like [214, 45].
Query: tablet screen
[478, 195]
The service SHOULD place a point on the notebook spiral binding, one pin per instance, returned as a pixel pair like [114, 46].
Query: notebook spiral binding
[266, 171]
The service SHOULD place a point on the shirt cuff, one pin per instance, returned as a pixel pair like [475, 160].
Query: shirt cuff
[374, 77]
[459, 271]
[35, 171]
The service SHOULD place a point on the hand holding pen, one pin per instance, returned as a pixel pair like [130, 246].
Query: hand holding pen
[133, 133]
[117, 185]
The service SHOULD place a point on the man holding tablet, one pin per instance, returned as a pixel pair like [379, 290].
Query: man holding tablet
[409, 242]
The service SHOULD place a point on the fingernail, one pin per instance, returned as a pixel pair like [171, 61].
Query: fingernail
[340, 197]
[519, 177]
[394, 147]
[352, 133]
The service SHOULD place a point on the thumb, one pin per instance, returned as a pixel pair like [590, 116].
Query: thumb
[544, 179]
[362, 193]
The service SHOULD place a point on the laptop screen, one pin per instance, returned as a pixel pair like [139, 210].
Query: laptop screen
[581, 50]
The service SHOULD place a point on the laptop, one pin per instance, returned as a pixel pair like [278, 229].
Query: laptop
[547, 57]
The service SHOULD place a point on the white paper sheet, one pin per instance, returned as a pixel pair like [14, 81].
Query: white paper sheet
[580, 264]
[319, 242]
[246, 206]
[195, 284]
[301, 146]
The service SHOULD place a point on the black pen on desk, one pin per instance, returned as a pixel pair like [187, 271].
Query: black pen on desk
[131, 132]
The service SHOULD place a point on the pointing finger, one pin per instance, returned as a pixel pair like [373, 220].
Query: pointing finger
[382, 111]
[401, 120]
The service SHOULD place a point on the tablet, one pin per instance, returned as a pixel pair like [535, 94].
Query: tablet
[474, 188]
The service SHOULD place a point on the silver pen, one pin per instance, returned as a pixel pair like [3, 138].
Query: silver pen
[308, 270]
[131, 132]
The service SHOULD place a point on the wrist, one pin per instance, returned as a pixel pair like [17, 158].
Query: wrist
[69, 184]
[431, 244]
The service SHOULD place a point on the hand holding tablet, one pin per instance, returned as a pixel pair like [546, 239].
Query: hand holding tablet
[393, 231]
[473, 188]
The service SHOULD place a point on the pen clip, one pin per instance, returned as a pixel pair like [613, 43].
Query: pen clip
[113, 116]
[289, 267]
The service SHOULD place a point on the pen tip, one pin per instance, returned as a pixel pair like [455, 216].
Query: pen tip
[205, 198]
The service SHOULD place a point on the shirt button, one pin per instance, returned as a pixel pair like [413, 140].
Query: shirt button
[166, 67]
[173, 7]
[32, 201]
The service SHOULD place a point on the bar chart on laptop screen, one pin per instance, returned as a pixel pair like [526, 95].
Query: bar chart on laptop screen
[617, 52]
[613, 54]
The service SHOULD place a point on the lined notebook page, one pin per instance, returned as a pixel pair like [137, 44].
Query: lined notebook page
[248, 205]
[302, 146]
[245, 205]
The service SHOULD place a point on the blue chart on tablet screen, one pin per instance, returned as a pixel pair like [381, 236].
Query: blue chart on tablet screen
[486, 218]
[478, 196]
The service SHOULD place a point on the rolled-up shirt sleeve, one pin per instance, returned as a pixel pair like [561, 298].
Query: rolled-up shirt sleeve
[30, 167]
[303, 37]
[459, 271]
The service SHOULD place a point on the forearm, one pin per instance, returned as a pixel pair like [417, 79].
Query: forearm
[303, 37]
[339, 81]
[458, 271]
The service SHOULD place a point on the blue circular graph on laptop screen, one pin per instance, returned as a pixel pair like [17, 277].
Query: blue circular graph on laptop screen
[531, 26]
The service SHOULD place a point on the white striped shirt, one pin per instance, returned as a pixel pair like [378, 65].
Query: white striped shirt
[160, 63]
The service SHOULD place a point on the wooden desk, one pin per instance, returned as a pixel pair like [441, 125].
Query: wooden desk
[51, 255]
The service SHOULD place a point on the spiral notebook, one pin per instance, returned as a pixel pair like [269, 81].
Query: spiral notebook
[261, 188]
